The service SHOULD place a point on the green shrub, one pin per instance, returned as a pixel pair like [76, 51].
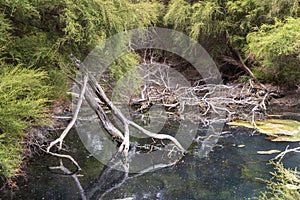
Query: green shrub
[285, 184]
[278, 49]
[23, 95]
[124, 64]
[42, 35]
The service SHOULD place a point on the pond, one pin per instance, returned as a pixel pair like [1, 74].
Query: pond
[232, 169]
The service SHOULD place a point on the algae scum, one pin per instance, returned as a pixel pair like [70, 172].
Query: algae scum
[277, 130]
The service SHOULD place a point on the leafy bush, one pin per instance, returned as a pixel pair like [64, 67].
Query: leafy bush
[270, 26]
[285, 184]
[42, 35]
[124, 64]
[22, 104]
[278, 49]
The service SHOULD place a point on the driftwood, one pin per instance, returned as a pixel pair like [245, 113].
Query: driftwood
[90, 89]
[215, 102]
[281, 155]
[68, 128]
[97, 89]
[212, 103]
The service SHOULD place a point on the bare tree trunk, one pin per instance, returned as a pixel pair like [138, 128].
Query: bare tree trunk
[97, 89]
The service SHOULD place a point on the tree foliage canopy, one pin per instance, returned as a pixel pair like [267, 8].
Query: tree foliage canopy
[267, 29]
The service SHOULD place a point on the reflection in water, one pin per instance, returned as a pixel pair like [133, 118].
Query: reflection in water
[223, 165]
[73, 175]
[111, 178]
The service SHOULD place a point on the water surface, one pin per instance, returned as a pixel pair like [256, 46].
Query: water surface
[230, 170]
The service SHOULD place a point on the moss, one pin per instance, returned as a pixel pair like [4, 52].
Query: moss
[278, 130]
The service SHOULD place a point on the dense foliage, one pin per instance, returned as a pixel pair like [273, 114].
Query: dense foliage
[22, 104]
[266, 33]
[37, 38]
[277, 47]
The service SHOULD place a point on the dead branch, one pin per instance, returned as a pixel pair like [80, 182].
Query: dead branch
[67, 157]
[247, 70]
[126, 123]
[109, 127]
[215, 103]
[92, 92]
[68, 128]
[70, 125]
[226, 101]
[280, 156]
[240, 63]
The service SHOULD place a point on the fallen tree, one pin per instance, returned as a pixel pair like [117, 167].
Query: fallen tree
[207, 103]
[90, 89]
[214, 102]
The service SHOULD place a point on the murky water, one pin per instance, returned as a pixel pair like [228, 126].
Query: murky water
[231, 170]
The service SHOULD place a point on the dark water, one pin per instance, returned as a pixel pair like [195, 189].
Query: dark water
[231, 170]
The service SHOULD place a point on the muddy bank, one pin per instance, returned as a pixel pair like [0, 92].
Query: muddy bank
[286, 107]
[289, 101]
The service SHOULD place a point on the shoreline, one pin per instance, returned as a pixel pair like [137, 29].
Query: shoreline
[284, 107]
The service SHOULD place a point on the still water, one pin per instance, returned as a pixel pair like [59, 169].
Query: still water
[232, 169]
